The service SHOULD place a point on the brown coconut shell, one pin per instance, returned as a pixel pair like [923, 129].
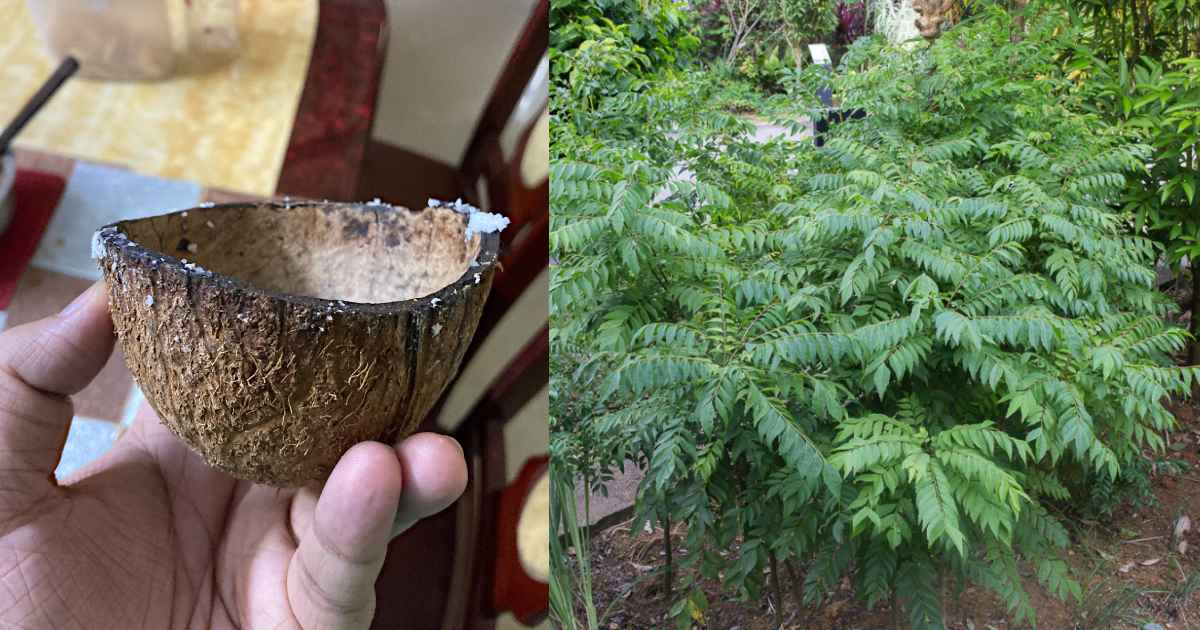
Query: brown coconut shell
[272, 337]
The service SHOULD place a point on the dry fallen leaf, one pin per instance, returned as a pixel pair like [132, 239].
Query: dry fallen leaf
[1150, 562]
[1126, 568]
[1182, 525]
[834, 608]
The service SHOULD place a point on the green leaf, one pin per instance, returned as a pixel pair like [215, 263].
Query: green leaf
[936, 508]
[917, 587]
[775, 427]
[955, 329]
[881, 379]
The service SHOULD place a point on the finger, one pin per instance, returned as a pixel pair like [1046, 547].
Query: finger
[331, 579]
[300, 513]
[435, 475]
[41, 364]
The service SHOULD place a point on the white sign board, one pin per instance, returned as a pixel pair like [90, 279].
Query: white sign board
[820, 54]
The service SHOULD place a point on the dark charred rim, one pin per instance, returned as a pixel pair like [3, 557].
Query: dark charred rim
[489, 247]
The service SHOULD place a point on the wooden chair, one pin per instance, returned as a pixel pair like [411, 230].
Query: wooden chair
[336, 112]
[458, 570]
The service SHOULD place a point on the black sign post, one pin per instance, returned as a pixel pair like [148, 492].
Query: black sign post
[828, 113]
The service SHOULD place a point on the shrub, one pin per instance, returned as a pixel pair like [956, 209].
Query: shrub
[1158, 29]
[1159, 104]
[572, 606]
[659, 28]
[886, 358]
[1138, 66]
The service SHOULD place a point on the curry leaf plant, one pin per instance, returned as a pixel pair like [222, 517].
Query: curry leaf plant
[887, 358]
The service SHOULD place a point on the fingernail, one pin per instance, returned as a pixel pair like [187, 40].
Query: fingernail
[81, 300]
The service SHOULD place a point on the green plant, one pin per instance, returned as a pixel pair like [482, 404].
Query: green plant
[735, 94]
[1137, 64]
[602, 53]
[570, 581]
[1161, 106]
[803, 22]
[1110, 604]
[1185, 589]
[764, 71]
[1134, 488]
[888, 368]
[608, 63]
[894, 20]
[660, 28]
[1157, 29]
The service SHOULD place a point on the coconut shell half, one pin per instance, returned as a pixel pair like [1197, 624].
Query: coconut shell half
[272, 337]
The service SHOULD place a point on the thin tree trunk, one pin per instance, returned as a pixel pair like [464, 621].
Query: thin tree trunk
[1118, 28]
[1195, 43]
[741, 28]
[738, 29]
[794, 578]
[775, 587]
[797, 52]
[733, 48]
[1154, 50]
[1194, 326]
[587, 506]
[1019, 21]
[1135, 28]
[942, 590]
[669, 574]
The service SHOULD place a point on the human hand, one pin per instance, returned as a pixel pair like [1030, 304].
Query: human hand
[150, 536]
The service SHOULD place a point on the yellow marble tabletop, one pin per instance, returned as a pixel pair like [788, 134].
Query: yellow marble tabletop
[223, 127]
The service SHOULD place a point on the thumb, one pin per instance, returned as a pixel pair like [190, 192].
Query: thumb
[41, 364]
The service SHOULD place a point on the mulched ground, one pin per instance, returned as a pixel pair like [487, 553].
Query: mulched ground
[1133, 570]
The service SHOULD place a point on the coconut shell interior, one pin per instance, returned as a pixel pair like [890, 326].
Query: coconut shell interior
[333, 252]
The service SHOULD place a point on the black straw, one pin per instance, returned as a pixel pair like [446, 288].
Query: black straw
[64, 71]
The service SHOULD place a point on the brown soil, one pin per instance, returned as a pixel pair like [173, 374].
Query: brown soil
[1131, 570]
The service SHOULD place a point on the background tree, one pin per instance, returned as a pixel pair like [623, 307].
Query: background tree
[802, 22]
[1136, 65]
[743, 18]
[659, 28]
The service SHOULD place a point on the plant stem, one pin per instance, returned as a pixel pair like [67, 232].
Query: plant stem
[942, 588]
[794, 578]
[1019, 21]
[587, 506]
[668, 575]
[774, 564]
[1194, 325]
